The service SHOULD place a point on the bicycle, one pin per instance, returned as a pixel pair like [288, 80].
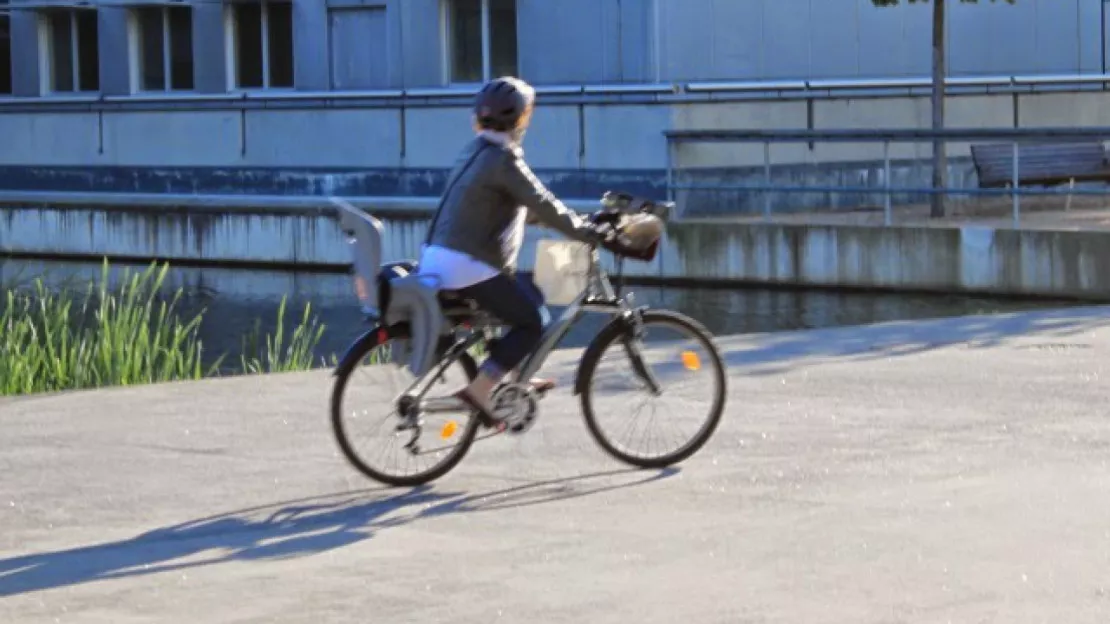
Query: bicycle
[515, 402]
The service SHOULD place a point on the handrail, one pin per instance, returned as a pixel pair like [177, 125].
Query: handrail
[892, 135]
[400, 204]
[166, 96]
[1034, 79]
[768, 87]
[979, 81]
[617, 89]
[1015, 137]
[721, 87]
[325, 95]
[865, 83]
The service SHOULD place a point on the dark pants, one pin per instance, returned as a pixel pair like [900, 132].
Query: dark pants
[516, 305]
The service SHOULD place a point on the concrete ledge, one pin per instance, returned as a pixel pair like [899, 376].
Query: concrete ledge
[970, 259]
[300, 233]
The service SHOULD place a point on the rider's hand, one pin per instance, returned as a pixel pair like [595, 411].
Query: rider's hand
[614, 241]
[605, 217]
[606, 233]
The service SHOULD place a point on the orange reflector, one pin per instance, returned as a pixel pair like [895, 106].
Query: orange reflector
[690, 360]
[449, 429]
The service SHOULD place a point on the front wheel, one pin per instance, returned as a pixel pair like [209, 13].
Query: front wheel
[622, 371]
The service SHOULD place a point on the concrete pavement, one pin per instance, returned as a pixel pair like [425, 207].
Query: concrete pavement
[947, 471]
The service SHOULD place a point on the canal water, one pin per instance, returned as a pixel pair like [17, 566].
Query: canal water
[234, 300]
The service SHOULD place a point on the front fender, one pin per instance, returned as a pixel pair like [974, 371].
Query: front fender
[617, 325]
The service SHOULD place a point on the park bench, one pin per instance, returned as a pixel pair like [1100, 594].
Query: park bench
[1040, 164]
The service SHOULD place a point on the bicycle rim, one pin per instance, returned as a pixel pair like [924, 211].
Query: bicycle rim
[364, 404]
[662, 439]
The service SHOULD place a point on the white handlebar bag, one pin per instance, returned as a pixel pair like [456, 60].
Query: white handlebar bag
[561, 271]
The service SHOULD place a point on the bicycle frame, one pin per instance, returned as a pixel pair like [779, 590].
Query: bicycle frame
[599, 296]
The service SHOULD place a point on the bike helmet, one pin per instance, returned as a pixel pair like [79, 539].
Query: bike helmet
[502, 102]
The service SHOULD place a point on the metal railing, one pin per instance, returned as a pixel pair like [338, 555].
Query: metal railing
[887, 137]
[655, 91]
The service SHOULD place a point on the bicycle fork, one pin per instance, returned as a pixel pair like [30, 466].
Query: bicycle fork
[632, 341]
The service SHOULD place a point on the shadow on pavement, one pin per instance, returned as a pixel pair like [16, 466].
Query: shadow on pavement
[287, 529]
[777, 353]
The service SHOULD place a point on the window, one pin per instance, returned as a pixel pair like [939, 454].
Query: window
[165, 51]
[359, 51]
[263, 44]
[483, 39]
[73, 51]
[5, 50]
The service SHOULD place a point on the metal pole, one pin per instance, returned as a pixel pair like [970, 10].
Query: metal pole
[767, 179]
[886, 182]
[1014, 188]
[486, 64]
[670, 171]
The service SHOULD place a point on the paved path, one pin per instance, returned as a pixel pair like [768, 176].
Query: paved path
[951, 471]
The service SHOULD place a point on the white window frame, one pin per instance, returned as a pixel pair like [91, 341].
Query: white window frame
[46, 61]
[232, 46]
[449, 49]
[135, 50]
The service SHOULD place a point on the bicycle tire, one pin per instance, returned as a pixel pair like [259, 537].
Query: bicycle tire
[616, 330]
[338, 388]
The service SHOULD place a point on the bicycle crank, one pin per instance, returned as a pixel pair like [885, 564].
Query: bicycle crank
[517, 405]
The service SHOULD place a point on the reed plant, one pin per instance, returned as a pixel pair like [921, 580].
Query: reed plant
[271, 354]
[62, 339]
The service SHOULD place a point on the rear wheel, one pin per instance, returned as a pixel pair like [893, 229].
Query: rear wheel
[364, 405]
[684, 373]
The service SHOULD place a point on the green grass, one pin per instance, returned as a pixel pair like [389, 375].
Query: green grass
[272, 356]
[61, 339]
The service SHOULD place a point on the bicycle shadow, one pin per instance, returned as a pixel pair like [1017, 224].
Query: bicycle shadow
[288, 529]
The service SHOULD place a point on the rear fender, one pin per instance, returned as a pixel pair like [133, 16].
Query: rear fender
[378, 335]
[357, 349]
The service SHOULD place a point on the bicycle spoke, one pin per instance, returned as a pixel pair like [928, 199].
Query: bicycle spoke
[643, 427]
[367, 421]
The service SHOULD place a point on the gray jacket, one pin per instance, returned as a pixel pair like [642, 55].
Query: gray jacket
[484, 192]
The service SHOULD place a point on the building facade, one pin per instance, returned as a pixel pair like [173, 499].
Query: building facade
[120, 47]
[369, 96]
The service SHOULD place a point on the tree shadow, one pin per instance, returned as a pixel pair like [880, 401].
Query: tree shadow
[776, 353]
[284, 530]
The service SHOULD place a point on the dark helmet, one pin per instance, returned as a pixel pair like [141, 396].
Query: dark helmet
[501, 103]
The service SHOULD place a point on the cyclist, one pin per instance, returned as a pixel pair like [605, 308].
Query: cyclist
[475, 237]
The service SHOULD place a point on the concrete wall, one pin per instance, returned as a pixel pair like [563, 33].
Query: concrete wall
[404, 42]
[579, 148]
[970, 259]
[602, 136]
[580, 144]
[775, 39]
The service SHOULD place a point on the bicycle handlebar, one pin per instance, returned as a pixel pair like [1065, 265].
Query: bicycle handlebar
[626, 203]
[617, 207]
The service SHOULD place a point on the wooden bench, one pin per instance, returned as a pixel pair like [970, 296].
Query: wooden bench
[1040, 164]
